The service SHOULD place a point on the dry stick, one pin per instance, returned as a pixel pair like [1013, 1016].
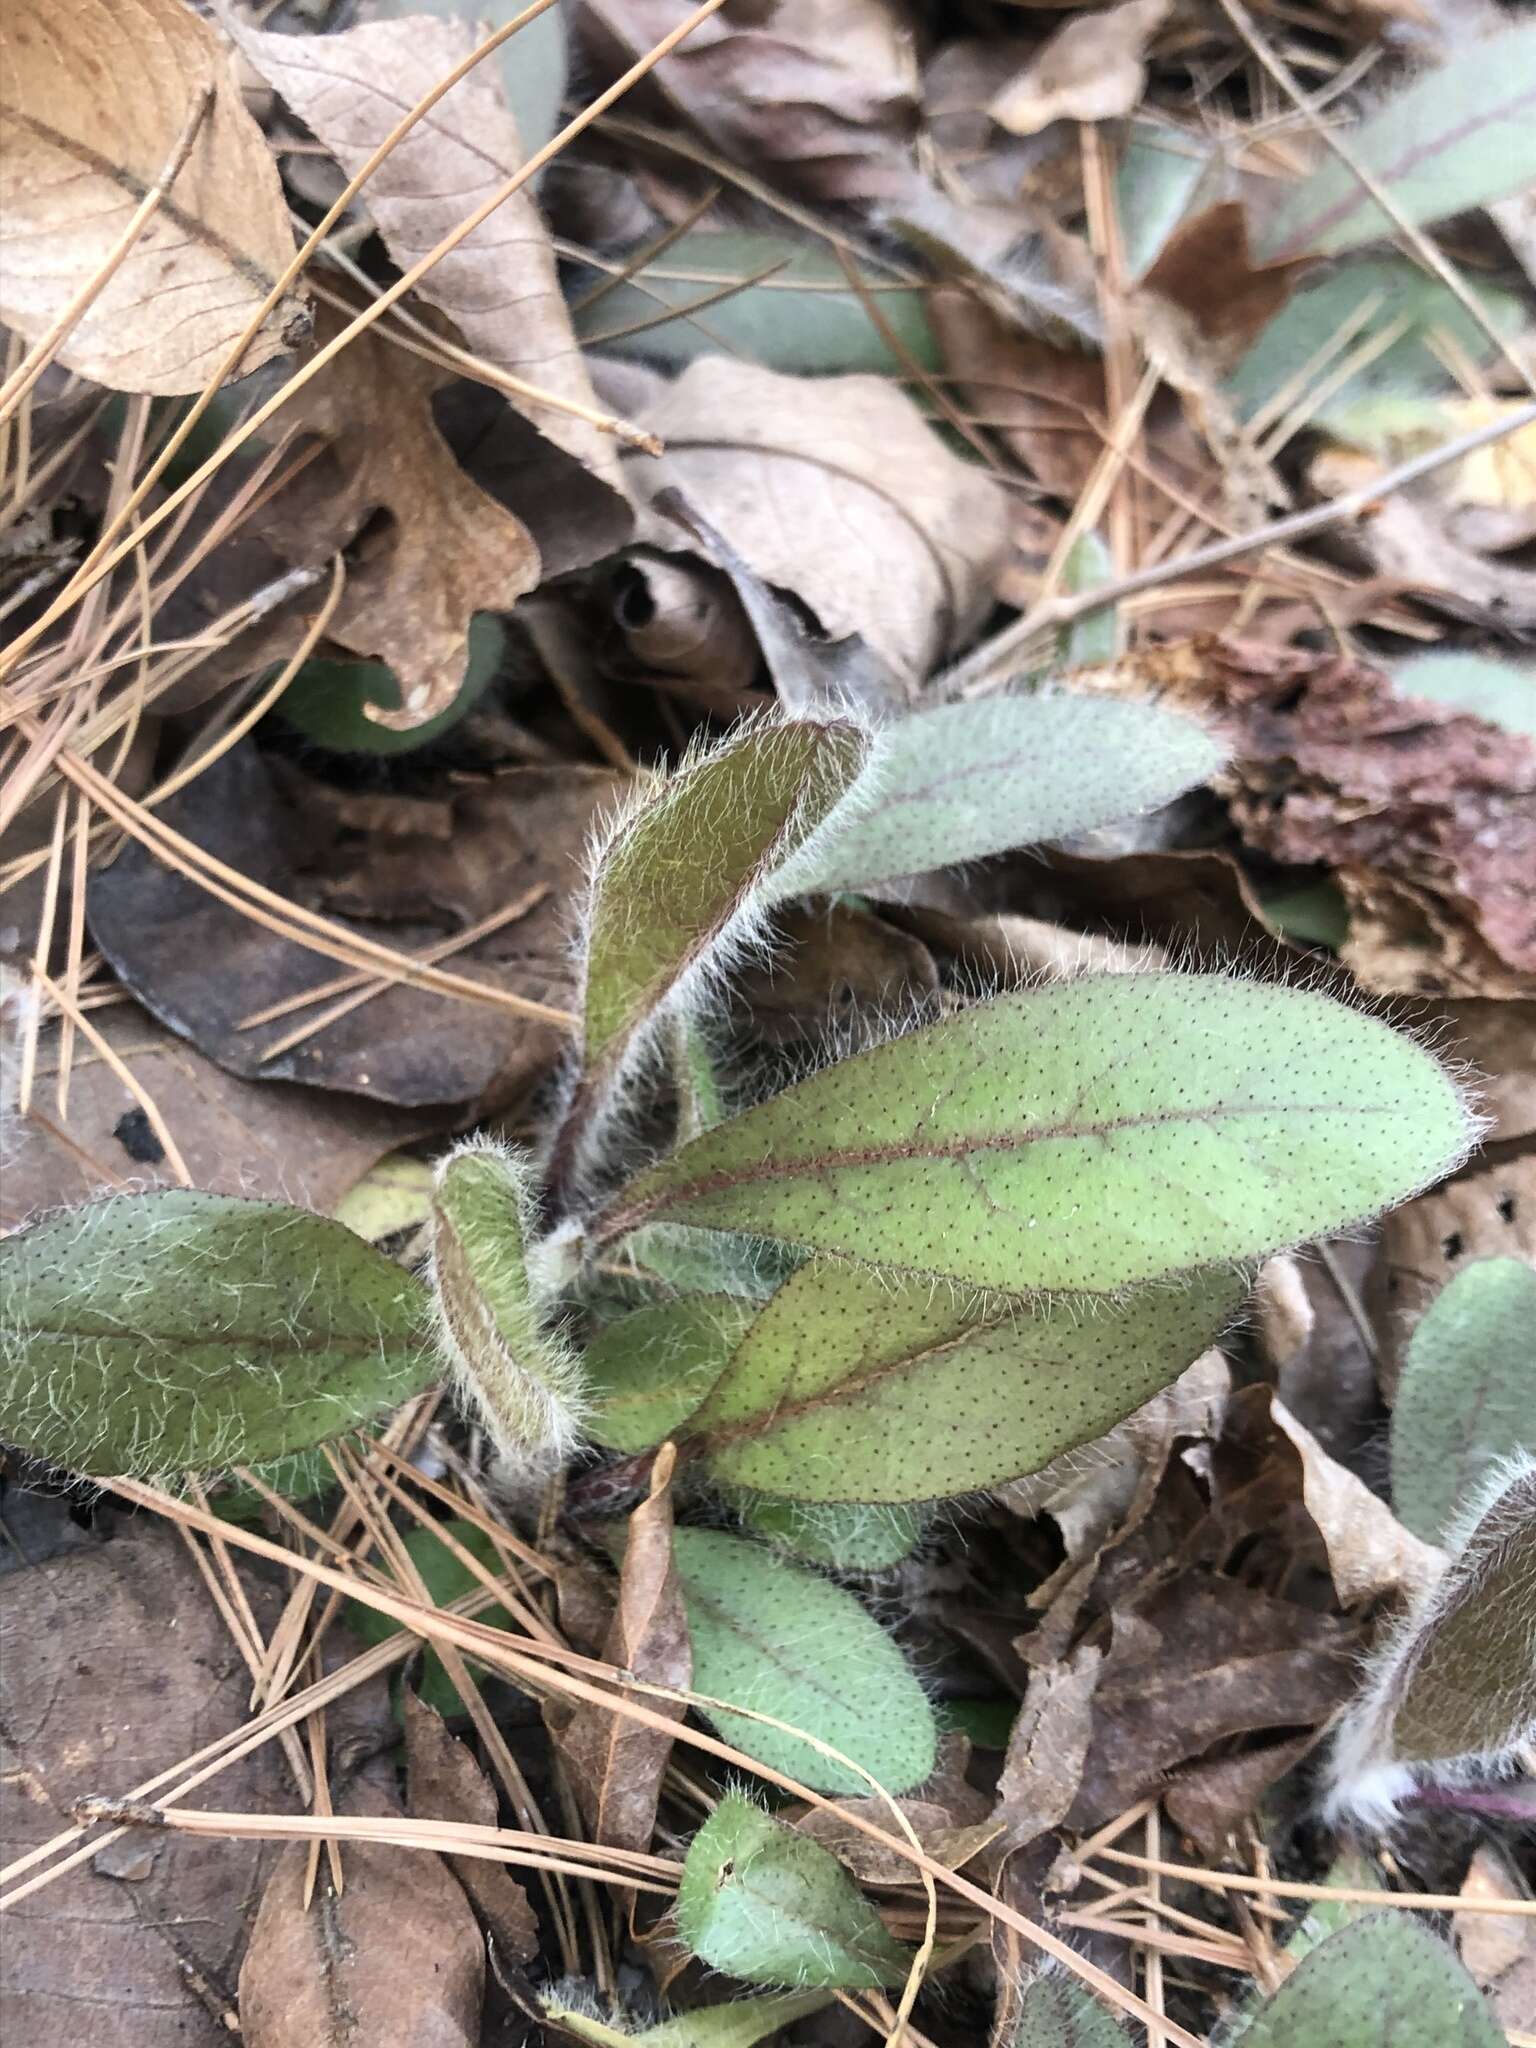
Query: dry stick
[532, 1665]
[1422, 247]
[42, 352]
[984, 669]
[102, 563]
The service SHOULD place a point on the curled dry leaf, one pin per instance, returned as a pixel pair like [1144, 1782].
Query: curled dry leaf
[93, 103]
[396, 1956]
[445, 1783]
[201, 966]
[1427, 816]
[837, 490]
[617, 1765]
[1370, 1553]
[499, 285]
[819, 94]
[437, 549]
[114, 1665]
[1093, 68]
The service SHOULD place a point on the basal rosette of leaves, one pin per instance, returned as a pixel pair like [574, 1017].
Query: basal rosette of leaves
[926, 1269]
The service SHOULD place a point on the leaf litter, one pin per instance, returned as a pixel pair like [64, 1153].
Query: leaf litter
[940, 383]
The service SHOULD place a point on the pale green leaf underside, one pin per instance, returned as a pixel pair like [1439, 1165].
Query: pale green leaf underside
[1057, 2013]
[1081, 1137]
[647, 1372]
[181, 1330]
[853, 1385]
[761, 1902]
[1467, 1397]
[1462, 134]
[967, 780]
[782, 1641]
[1385, 1982]
[741, 2024]
[1502, 692]
[688, 862]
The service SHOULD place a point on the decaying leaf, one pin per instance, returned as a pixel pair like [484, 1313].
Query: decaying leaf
[820, 92]
[93, 104]
[1370, 1552]
[1042, 1773]
[499, 285]
[616, 1765]
[445, 1783]
[114, 1665]
[395, 1956]
[1091, 69]
[837, 490]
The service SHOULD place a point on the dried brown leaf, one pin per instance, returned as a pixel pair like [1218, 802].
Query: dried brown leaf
[445, 1783]
[1494, 1946]
[114, 1664]
[287, 1144]
[436, 548]
[201, 966]
[617, 1765]
[941, 1836]
[93, 101]
[1048, 1748]
[499, 285]
[837, 490]
[815, 94]
[1370, 1554]
[1092, 68]
[396, 1957]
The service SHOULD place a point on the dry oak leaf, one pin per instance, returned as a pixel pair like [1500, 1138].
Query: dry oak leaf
[1093, 68]
[95, 96]
[819, 95]
[837, 490]
[499, 285]
[439, 548]
[395, 1957]
[445, 1783]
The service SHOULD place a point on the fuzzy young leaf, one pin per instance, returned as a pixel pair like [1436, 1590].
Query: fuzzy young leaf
[684, 871]
[741, 2024]
[765, 1903]
[1056, 2012]
[1384, 1982]
[187, 1331]
[855, 1384]
[521, 1378]
[649, 1371]
[782, 1641]
[967, 780]
[1459, 136]
[1080, 1137]
[1467, 1398]
[845, 1536]
[1452, 1692]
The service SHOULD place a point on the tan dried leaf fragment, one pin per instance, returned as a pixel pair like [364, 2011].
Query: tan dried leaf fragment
[94, 98]
[499, 286]
[1093, 68]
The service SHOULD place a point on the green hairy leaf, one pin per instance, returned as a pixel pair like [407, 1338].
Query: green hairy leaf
[854, 1384]
[1463, 1680]
[741, 2024]
[1459, 136]
[1091, 640]
[1502, 692]
[1385, 1982]
[648, 1371]
[782, 1641]
[1080, 1137]
[1467, 1397]
[178, 1330]
[761, 1902]
[687, 1261]
[1161, 172]
[1056, 2012]
[520, 1379]
[685, 869]
[796, 309]
[846, 1536]
[446, 1579]
[972, 779]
